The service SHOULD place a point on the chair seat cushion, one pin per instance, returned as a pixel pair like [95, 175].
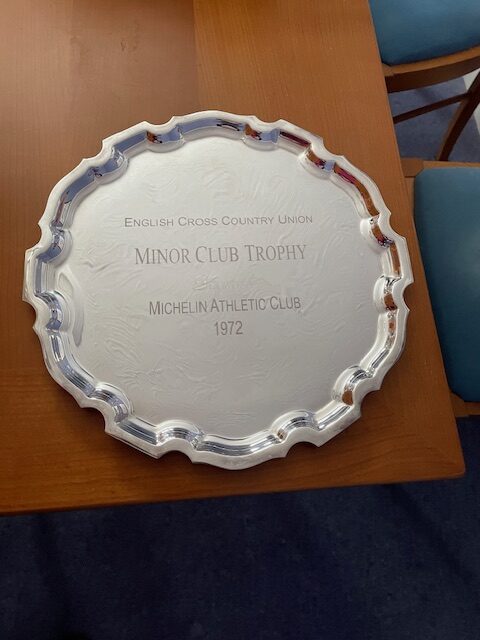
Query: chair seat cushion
[447, 218]
[412, 30]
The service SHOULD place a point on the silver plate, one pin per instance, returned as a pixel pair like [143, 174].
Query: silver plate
[219, 286]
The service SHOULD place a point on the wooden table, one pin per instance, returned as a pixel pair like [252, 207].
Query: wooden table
[74, 72]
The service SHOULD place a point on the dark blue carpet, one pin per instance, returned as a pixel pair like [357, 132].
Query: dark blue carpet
[421, 137]
[383, 563]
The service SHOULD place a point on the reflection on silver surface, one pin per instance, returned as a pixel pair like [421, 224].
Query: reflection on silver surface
[61, 293]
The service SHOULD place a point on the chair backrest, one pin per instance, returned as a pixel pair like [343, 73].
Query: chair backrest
[447, 218]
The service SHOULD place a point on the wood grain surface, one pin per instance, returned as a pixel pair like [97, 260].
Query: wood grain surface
[423, 73]
[74, 72]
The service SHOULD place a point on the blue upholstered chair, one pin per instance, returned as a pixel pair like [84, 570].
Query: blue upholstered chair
[423, 42]
[447, 219]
